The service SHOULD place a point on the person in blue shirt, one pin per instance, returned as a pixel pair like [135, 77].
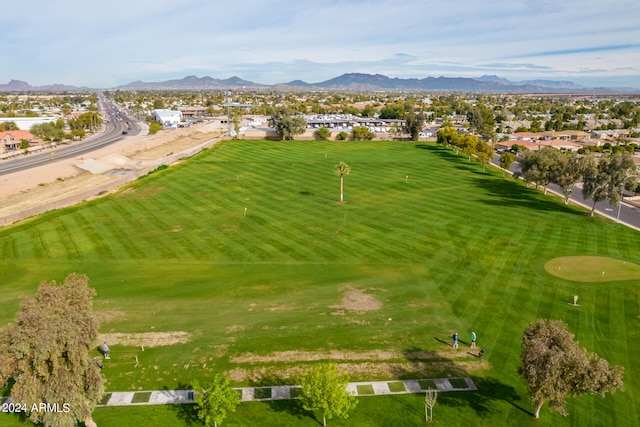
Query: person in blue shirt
[455, 340]
[473, 340]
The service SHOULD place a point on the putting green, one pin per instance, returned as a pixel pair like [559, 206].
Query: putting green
[592, 269]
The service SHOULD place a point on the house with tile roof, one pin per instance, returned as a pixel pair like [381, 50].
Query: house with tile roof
[12, 139]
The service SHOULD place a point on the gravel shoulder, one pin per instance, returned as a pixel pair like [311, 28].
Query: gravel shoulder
[23, 190]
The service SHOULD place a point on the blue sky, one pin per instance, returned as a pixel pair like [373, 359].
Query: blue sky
[108, 43]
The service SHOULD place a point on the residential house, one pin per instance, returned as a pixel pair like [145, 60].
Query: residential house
[12, 139]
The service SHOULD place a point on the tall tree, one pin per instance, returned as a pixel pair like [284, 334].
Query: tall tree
[481, 118]
[566, 172]
[368, 111]
[468, 144]
[287, 124]
[324, 390]
[4, 126]
[538, 166]
[215, 400]
[342, 169]
[484, 153]
[447, 136]
[506, 159]
[235, 115]
[46, 353]
[602, 180]
[413, 124]
[393, 111]
[554, 367]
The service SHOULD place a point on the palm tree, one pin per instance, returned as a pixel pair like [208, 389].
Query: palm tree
[342, 169]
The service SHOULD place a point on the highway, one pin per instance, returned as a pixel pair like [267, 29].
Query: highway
[113, 131]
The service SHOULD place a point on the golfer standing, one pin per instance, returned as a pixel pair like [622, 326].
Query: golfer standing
[105, 350]
[473, 339]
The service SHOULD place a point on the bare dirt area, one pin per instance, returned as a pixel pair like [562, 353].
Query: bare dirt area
[364, 371]
[147, 339]
[365, 365]
[357, 300]
[31, 188]
[336, 355]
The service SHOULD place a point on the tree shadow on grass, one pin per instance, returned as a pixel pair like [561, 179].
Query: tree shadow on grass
[447, 153]
[312, 194]
[292, 406]
[186, 412]
[422, 364]
[511, 193]
[489, 389]
[270, 379]
[508, 192]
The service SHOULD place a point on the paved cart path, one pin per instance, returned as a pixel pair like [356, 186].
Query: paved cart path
[249, 394]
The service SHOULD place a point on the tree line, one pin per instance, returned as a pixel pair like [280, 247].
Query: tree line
[467, 143]
[602, 178]
[288, 123]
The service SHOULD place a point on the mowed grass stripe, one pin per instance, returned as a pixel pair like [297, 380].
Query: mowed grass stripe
[98, 242]
[123, 224]
[290, 233]
[454, 248]
[327, 223]
[185, 227]
[40, 245]
[153, 229]
[67, 239]
[9, 249]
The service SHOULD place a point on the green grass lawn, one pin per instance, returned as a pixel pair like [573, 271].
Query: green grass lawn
[378, 283]
[593, 269]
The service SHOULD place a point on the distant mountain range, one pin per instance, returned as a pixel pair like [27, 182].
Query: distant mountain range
[20, 86]
[352, 82]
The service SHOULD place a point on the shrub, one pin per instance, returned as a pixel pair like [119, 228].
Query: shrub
[322, 134]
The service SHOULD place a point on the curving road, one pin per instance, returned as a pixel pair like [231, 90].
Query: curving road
[113, 130]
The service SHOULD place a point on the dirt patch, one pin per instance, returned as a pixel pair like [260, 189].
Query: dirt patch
[219, 351]
[235, 328]
[336, 355]
[148, 339]
[125, 192]
[357, 300]
[367, 371]
[109, 315]
[149, 192]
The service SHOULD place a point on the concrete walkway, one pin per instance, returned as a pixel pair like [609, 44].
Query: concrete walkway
[249, 394]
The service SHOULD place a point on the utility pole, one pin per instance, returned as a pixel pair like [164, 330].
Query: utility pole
[228, 93]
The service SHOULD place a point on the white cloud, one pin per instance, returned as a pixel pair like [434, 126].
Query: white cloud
[77, 42]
